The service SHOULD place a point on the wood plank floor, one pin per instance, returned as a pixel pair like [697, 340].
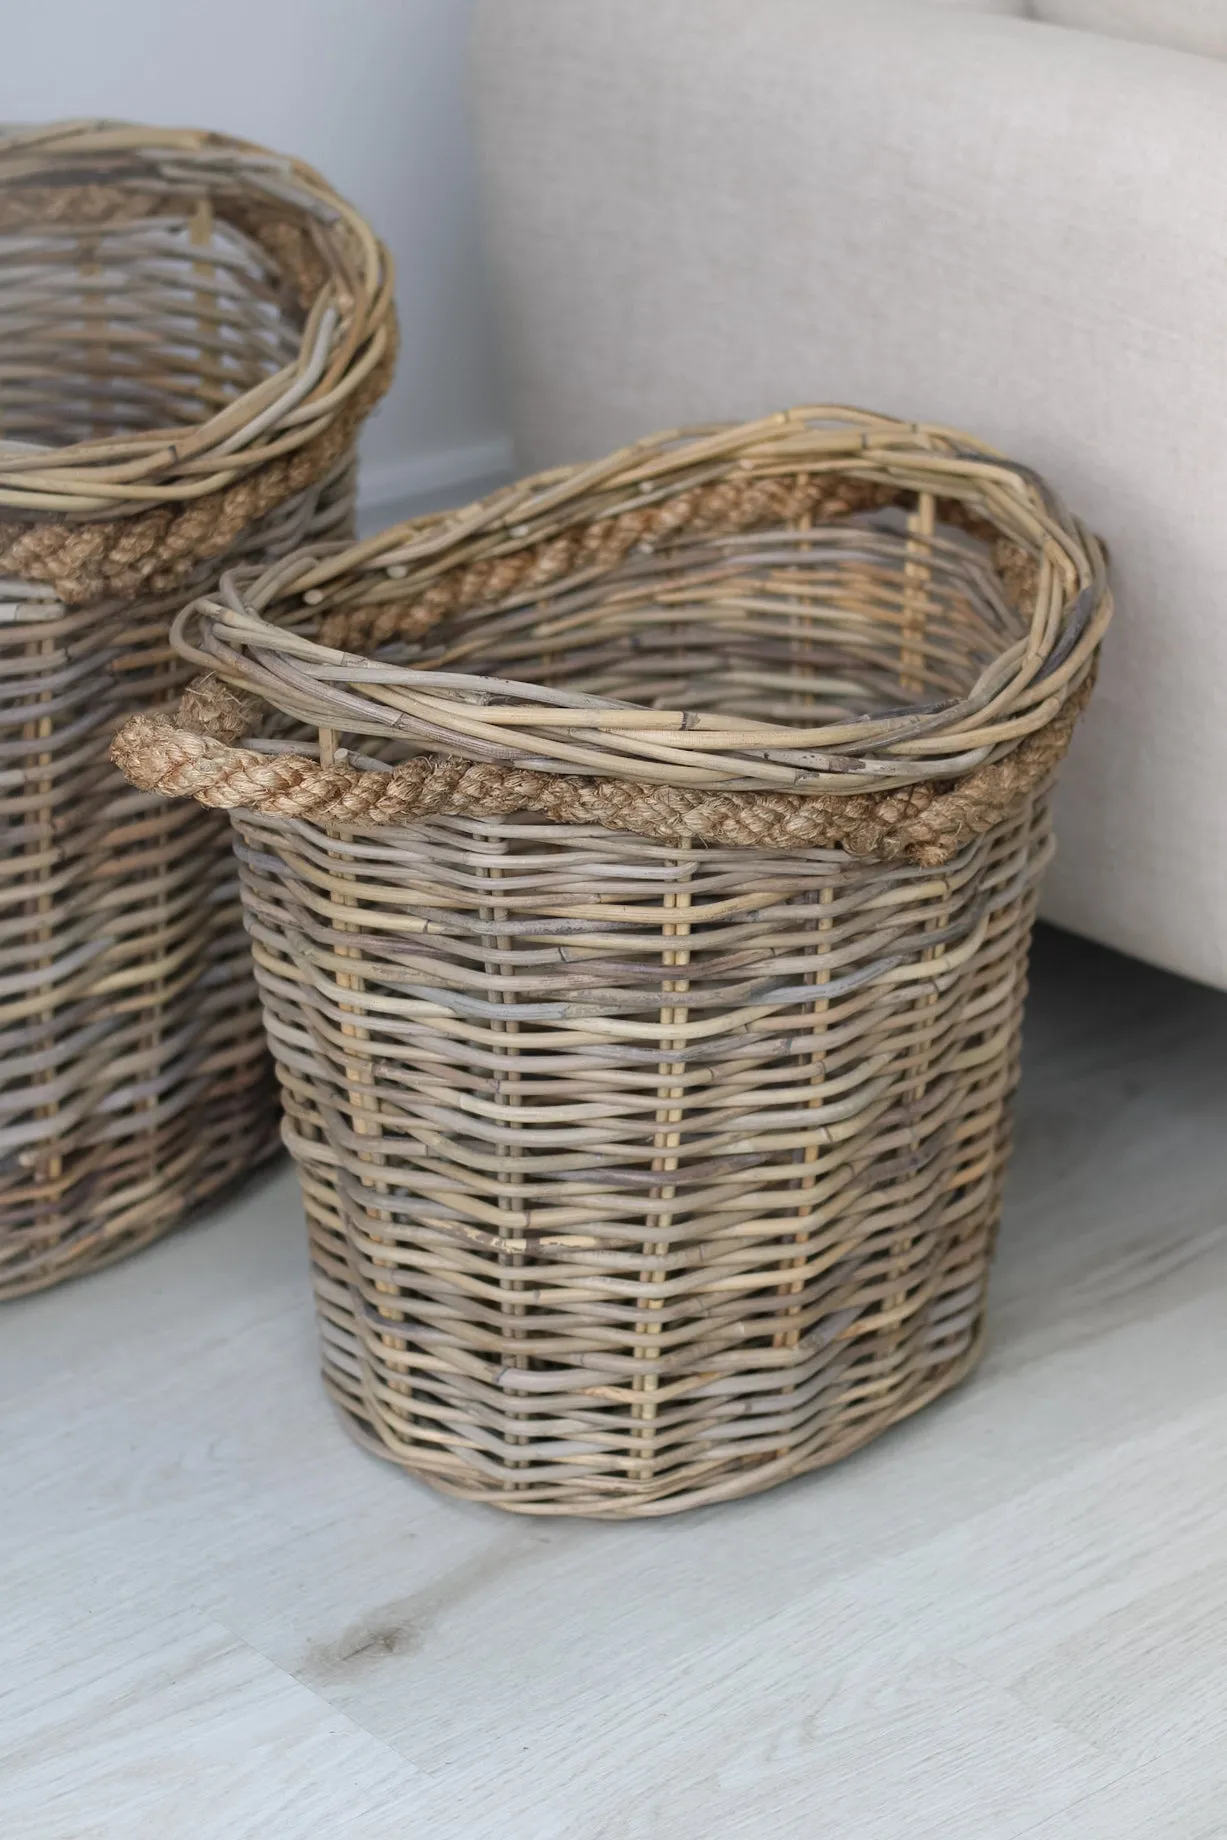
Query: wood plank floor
[222, 1621]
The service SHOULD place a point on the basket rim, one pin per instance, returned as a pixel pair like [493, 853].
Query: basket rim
[348, 332]
[240, 633]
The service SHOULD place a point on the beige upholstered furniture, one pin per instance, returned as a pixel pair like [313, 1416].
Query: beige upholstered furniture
[1199, 26]
[710, 208]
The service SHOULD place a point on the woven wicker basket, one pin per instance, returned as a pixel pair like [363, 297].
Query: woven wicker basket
[642, 934]
[192, 330]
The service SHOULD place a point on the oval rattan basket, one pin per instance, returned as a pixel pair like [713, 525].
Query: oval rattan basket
[192, 331]
[640, 868]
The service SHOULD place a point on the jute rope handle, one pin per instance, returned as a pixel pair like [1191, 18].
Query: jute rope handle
[193, 754]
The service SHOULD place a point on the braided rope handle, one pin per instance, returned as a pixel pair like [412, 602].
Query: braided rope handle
[193, 754]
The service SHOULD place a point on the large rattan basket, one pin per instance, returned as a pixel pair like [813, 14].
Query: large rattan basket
[191, 330]
[640, 868]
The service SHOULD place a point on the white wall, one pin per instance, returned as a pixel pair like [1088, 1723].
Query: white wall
[373, 93]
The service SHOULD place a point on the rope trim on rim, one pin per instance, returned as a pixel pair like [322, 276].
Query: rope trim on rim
[192, 754]
[155, 550]
[257, 330]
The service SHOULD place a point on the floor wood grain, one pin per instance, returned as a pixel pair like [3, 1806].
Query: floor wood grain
[1008, 1619]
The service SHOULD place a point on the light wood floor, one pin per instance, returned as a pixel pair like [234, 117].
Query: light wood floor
[222, 1621]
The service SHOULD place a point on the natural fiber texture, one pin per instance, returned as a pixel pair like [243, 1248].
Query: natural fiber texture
[192, 331]
[642, 937]
[924, 824]
[157, 551]
[133, 1076]
[720, 507]
[124, 246]
[638, 1179]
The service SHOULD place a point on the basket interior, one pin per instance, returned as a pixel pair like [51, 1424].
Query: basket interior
[124, 327]
[849, 618]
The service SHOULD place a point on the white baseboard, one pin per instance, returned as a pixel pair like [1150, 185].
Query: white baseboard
[389, 490]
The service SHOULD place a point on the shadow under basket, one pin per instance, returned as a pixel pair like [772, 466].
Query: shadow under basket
[640, 870]
[193, 329]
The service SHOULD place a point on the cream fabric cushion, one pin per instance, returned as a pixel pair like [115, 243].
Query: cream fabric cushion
[700, 208]
[1188, 25]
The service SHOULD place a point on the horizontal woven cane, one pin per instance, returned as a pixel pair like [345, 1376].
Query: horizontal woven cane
[640, 867]
[191, 330]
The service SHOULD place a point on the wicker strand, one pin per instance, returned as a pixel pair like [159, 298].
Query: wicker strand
[193, 329]
[724, 505]
[641, 1175]
[149, 467]
[191, 757]
[157, 550]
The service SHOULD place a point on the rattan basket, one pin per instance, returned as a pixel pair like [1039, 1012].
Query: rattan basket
[642, 933]
[191, 330]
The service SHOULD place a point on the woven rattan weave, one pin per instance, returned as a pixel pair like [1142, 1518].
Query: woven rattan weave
[640, 868]
[191, 330]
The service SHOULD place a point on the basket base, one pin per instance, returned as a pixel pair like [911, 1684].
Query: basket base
[729, 1482]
